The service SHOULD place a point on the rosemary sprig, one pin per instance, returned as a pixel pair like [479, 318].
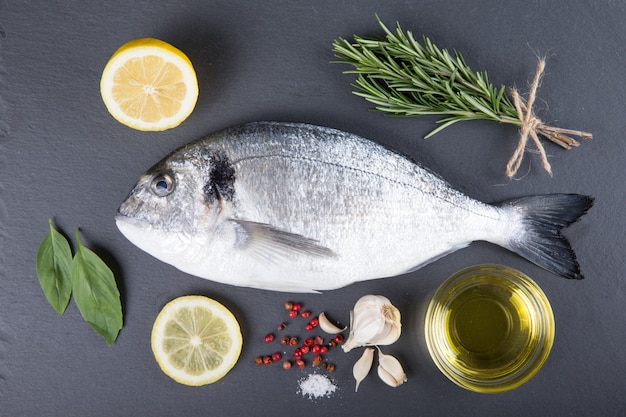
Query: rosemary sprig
[402, 77]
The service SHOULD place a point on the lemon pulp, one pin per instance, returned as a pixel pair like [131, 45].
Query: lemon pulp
[148, 84]
[196, 340]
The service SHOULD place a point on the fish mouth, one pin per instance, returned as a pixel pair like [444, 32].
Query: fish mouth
[138, 232]
[124, 220]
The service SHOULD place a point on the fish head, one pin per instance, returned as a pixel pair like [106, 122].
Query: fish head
[172, 211]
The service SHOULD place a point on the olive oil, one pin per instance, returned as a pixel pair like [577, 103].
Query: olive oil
[489, 328]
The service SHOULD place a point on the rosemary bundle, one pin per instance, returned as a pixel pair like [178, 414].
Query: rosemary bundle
[402, 77]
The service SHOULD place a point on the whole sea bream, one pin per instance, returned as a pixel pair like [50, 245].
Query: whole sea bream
[296, 207]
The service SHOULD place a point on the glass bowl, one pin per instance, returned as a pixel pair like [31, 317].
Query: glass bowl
[489, 328]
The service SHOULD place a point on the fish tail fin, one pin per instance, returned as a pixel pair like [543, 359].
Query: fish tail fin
[541, 241]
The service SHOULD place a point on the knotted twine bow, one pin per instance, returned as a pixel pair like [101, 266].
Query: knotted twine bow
[531, 126]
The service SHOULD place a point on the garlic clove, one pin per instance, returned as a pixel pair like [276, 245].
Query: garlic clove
[370, 302]
[327, 326]
[389, 335]
[390, 370]
[363, 328]
[362, 367]
[371, 299]
[388, 378]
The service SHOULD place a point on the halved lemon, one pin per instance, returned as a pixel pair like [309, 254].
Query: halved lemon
[148, 84]
[196, 340]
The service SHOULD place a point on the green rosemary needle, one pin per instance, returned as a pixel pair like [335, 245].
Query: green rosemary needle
[402, 77]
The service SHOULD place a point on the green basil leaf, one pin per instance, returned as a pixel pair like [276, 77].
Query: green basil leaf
[96, 293]
[53, 264]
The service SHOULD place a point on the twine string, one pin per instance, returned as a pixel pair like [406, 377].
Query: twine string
[531, 127]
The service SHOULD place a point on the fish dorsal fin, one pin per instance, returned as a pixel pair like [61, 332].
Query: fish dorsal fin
[269, 243]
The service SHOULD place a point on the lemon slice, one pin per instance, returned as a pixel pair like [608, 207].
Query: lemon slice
[196, 340]
[149, 85]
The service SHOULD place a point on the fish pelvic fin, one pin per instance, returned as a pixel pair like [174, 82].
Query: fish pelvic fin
[269, 243]
[542, 243]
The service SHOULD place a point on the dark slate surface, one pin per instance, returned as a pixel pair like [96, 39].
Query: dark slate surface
[63, 156]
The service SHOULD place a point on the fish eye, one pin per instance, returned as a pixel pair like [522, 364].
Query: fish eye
[162, 185]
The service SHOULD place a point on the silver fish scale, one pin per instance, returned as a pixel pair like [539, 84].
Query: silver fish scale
[365, 203]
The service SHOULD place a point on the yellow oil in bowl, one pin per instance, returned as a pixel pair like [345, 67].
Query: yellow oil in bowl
[489, 328]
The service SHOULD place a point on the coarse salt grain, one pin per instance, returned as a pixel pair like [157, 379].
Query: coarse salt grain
[316, 386]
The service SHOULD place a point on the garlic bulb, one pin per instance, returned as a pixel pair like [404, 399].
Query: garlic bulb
[362, 367]
[390, 370]
[373, 321]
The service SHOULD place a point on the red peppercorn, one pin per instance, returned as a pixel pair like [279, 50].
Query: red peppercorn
[293, 341]
[288, 305]
[330, 368]
[282, 326]
[287, 365]
[269, 338]
[315, 349]
[293, 314]
[267, 360]
[304, 350]
[296, 306]
[308, 341]
[332, 344]
[338, 338]
[276, 356]
[284, 340]
[300, 363]
[323, 350]
[297, 353]
[319, 340]
[305, 314]
[258, 360]
[314, 322]
[308, 327]
[317, 360]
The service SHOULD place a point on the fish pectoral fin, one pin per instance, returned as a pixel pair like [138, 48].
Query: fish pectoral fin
[269, 243]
